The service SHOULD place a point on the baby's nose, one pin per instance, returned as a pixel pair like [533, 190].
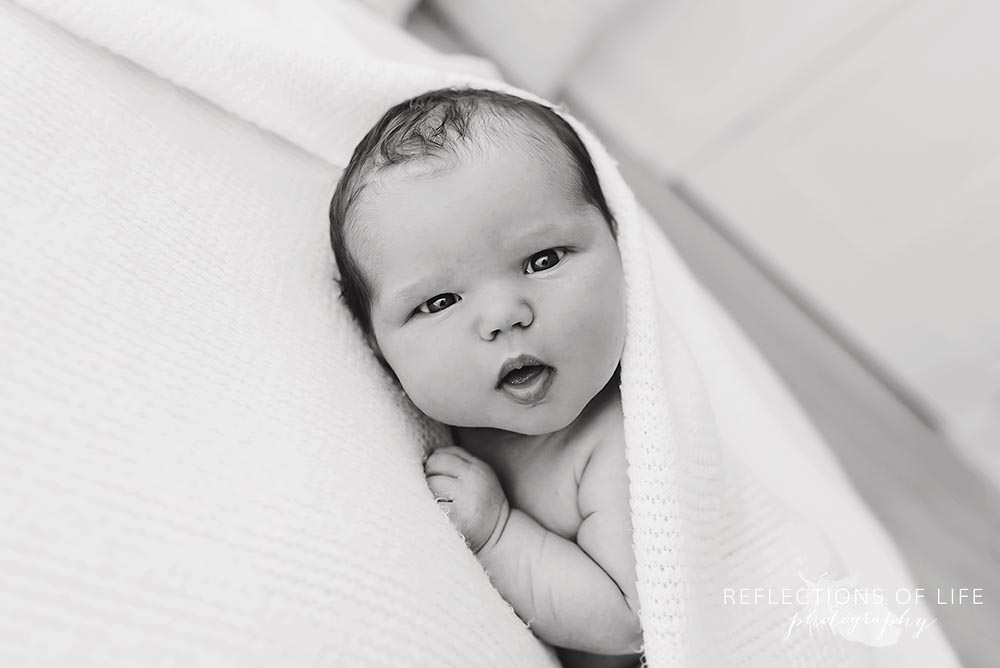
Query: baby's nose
[502, 313]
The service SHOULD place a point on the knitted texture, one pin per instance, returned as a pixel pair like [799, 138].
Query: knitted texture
[201, 462]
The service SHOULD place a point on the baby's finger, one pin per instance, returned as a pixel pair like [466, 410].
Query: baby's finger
[442, 487]
[445, 463]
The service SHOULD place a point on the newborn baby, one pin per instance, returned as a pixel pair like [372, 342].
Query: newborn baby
[479, 257]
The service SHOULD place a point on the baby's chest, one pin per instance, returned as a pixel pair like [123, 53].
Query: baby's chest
[546, 485]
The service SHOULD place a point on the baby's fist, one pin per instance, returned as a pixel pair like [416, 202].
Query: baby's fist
[470, 493]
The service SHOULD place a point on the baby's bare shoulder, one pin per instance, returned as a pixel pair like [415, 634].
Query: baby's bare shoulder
[602, 433]
[603, 477]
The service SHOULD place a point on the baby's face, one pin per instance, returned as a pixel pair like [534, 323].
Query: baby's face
[488, 261]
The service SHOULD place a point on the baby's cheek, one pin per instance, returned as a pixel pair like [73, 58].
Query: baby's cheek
[591, 302]
[437, 377]
[592, 320]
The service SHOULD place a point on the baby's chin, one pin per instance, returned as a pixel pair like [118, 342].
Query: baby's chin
[533, 421]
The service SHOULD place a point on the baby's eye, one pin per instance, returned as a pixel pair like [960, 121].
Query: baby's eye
[439, 303]
[545, 260]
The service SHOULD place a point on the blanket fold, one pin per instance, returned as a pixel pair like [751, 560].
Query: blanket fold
[209, 256]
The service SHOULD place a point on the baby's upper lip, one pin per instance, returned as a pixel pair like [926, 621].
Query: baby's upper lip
[519, 362]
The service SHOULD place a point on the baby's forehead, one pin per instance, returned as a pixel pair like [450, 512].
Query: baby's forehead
[408, 198]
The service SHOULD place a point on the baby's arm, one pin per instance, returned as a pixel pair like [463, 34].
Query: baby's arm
[578, 595]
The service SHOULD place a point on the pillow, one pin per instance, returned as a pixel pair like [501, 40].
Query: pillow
[201, 463]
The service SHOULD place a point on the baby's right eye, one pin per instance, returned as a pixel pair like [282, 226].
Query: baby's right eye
[439, 303]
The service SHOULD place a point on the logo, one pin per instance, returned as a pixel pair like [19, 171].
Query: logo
[869, 615]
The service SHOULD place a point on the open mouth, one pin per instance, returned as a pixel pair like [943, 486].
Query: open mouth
[525, 379]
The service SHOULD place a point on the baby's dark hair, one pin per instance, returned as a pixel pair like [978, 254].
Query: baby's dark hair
[435, 126]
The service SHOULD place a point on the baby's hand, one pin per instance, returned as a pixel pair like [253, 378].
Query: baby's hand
[469, 493]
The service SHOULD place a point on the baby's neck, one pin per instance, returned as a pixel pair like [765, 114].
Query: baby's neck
[482, 442]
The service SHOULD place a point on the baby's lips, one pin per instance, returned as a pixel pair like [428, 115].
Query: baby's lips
[518, 362]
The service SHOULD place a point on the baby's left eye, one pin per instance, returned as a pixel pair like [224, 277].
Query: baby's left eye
[545, 260]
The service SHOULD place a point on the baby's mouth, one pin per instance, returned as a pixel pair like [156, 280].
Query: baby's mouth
[524, 376]
[525, 379]
[518, 370]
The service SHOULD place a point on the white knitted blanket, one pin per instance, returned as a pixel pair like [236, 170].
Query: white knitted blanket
[201, 464]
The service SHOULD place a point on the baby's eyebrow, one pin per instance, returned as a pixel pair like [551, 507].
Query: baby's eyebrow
[546, 231]
[407, 293]
[410, 292]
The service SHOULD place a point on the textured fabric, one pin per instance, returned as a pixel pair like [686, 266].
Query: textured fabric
[201, 463]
